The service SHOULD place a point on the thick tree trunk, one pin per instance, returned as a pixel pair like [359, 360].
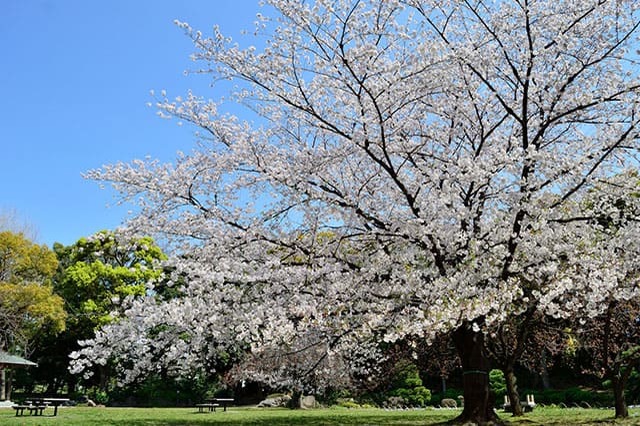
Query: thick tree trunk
[478, 400]
[622, 411]
[512, 392]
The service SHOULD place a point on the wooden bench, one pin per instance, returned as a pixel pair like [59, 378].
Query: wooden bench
[207, 407]
[45, 402]
[33, 409]
[20, 409]
[37, 409]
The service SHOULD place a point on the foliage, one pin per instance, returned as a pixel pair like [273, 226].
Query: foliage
[103, 270]
[27, 302]
[24, 261]
[574, 396]
[408, 386]
[498, 383]
[34, 304]
[633, 389]
[158, 391]
[418, 396]
[96, 275]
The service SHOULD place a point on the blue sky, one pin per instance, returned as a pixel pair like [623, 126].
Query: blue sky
[75, 78]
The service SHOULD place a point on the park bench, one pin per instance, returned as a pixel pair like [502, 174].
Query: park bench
[36, 409]
[207, 407]
[20, 409]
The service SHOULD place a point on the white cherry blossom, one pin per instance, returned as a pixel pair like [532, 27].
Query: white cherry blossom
[409, 167]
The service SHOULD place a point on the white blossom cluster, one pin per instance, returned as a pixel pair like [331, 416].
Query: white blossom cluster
[414, 165]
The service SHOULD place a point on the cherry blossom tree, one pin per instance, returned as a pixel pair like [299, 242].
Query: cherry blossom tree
[599, 247]
[506, 345]
[404, 169]
[611, 340]
[612, 337]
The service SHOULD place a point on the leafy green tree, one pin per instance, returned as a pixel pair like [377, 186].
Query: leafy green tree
[96, 274]
[27, 301]
[100, 271]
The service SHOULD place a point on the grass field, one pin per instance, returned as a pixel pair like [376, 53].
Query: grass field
[83, 416]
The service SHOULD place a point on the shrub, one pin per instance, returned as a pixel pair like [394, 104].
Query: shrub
[448, 403]
[395, 402]
[101, 397]
[572, 396]
[407, 385]
[451, 393]
[347, 403]
[497, 383]
[418, 396]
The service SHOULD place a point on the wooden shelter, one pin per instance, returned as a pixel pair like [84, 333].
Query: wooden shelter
[10, 361]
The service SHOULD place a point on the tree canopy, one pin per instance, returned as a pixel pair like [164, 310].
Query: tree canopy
[95, 276]
[443, 144]
[99, 271]
[27, 301]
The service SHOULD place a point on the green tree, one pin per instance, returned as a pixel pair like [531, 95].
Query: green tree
[95, 275]
[100, 271]
[27, 301]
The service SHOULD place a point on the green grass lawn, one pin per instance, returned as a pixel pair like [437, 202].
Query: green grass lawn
[83, 416]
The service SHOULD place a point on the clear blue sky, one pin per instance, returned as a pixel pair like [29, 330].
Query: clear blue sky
[75, 77]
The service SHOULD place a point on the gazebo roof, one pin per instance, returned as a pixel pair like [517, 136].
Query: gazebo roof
[7, 360]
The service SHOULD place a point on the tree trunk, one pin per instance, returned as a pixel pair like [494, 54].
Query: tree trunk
[546, 383]
[622, 411]
[478, 399]
[104, 378]
[294, 402]
[512, 392]
[71, 384]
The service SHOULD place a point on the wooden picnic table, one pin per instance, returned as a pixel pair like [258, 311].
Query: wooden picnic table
[44, 401]
[223, 401]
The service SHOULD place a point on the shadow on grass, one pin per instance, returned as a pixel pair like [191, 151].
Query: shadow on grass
[274, 422]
